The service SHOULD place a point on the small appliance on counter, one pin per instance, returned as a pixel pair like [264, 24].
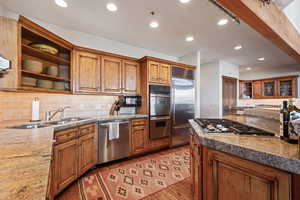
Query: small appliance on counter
[131, 101]
[125, 105]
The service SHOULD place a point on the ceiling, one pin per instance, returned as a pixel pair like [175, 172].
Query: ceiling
[130, 25]
[283, 3]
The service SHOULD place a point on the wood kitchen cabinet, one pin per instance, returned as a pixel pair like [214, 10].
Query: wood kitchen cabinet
[272, 88]
[87, 70]
[111, 75]
[287, 87]
[64, 165]
[165, 74]
[159, 73]
[74, 153]
[269, 89]
[245, 89]
[220, 176]
[153, 72]
[139, 130]
[86, 148]
[257, 90]
[196, 169]
[131, 77]
[229, 177]
[98, 74]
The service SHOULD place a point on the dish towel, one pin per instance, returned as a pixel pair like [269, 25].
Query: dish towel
[113, 130]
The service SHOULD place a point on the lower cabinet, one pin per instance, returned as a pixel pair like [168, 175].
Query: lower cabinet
[229, 177]
[220, 176]
[140, 139]
[139, 134]
[74, 153]
[64, 165]
[196, 170]
[86, 153]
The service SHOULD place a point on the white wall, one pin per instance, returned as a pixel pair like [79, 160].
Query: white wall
[96, 42]
[210, 90]
[194, 59]
[292, 11]
[211, 87]
[1, 10]
[229, 70]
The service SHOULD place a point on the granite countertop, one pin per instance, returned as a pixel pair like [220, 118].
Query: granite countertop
[25, 157]
[269, 151]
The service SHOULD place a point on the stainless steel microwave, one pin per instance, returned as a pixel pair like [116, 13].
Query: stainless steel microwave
[131, 101]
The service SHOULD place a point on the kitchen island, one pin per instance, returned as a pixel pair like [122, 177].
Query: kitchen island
[26, 154]
[243, 167]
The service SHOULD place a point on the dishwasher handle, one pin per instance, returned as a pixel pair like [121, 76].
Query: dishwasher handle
[107, 124]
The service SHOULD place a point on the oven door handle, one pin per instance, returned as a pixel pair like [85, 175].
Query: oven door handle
[160, 118]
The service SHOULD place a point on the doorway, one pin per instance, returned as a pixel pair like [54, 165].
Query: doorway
[229, 95]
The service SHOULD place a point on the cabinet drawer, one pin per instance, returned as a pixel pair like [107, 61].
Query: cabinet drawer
[139, 128]
[139, 122]
[87, 129]
[65, 136]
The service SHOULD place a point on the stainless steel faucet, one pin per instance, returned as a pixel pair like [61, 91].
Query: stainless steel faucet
[52, 113]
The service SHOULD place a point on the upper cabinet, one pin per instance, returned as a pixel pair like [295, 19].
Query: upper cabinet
[159, 73]
[131, 77]
[153, 72]
[246, 89]
[111, 75]
[256, 85]
[274, 88]
[45, 59]
[269, 89]
[165, 74]
[287, 87]
[87, 72]
[95, 73]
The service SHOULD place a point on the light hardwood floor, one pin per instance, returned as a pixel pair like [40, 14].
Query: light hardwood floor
[178, 191]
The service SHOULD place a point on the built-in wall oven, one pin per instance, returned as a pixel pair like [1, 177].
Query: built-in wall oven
[160, 108]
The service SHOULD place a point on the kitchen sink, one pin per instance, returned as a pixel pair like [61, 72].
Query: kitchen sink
[47, 124]
[30, 126]
[67, 120]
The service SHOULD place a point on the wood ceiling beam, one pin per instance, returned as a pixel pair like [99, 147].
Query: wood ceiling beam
[268, 20]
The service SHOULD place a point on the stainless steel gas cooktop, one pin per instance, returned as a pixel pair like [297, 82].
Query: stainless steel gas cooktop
[228, 126]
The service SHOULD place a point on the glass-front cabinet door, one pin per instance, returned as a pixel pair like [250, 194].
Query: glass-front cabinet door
[269, 88]
[287, 87]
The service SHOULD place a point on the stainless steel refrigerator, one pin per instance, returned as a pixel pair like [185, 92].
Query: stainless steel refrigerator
[183, 104]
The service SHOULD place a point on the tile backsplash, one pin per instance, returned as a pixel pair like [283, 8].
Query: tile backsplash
[17, 106]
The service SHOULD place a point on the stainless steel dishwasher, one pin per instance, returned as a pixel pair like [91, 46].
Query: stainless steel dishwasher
[110, 150]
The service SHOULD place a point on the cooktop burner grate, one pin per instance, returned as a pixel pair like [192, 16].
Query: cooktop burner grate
[228, 126]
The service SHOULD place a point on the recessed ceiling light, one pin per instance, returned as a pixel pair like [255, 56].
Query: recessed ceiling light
[154, 24]
[261, 59]
[238, 47]
[184, 1]
[61, 3]
[189, 38]
[222, 22]
[111, 7]
[248, 68]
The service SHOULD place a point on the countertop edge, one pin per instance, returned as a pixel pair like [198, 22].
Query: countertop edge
[283, 163]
